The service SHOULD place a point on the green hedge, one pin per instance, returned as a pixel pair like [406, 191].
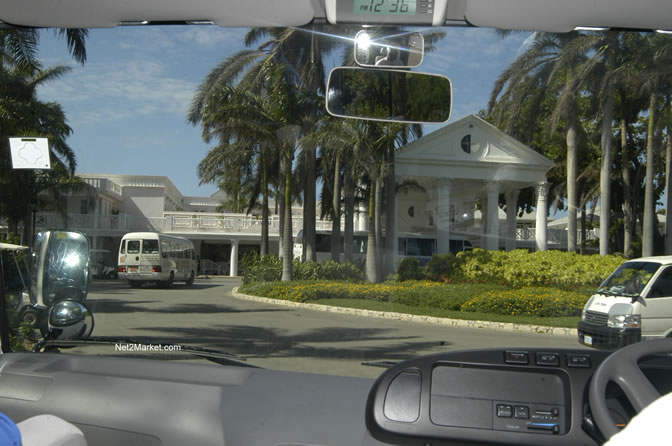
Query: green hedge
[415, 293]
[269, 269]
[520, 268]
[481, 298]
[528, 301]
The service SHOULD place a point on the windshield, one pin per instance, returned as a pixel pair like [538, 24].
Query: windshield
[630, 279]
[303, 241]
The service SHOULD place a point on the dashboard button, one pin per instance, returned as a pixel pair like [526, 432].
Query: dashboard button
[522, 412]
[504, 411]
[575, 360]
[517, 358]
[548, 359]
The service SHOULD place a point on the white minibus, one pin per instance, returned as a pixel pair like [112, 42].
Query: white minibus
[154, 257]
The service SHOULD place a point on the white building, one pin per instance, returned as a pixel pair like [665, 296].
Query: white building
[457, 166]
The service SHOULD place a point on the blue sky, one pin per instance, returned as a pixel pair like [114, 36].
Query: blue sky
[127, 105]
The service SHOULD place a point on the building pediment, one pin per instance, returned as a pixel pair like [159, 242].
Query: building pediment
[470, 143]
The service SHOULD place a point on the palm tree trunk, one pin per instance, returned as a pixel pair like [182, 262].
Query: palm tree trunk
[572, 199]
[649, 205]
[583, 228]
[668, 188]
[628, 226]
[287, 245]
[336, 239]
[371, 266]
[264, 210]
[378, 216]
[281, 200]
[605, 172]
[349, 224]
[390, 212]
[309, 207]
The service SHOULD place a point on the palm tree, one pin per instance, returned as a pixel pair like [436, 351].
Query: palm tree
[548, 66]
[250, 128]
[657, 50]
[301, 50]
[24, 114]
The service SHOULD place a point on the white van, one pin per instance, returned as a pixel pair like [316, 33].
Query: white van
[635, 302]
[155, 257]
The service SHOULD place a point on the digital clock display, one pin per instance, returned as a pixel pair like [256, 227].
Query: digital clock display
[385, 7]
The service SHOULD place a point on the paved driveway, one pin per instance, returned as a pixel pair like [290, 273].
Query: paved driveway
[275, 336]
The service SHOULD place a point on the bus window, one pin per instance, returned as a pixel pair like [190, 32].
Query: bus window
[165, 249]
[133, 246]
[419, 247]
[122, 247]
[150, 246]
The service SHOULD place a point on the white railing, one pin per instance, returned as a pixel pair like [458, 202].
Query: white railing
[197, 222]
[209, 267]
[552, 235]
[104, 185]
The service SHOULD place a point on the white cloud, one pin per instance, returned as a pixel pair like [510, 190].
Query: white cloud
[127, 89]
[207, 37]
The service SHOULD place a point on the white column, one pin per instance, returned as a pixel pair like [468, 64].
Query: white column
[362, 219]
[493, 216]
[484, 222]
[511, 211]
[443, 216]
[233, 264]
[542, 208]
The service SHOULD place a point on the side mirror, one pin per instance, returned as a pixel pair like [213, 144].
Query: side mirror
[389, 95]
[70, 320]
[404, 50]
[59, 268]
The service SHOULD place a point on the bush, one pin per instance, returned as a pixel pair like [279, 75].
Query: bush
[528, 301]
[413, 293]
[269, 269]
[261, 269]
[441, 267]
[519, 268]
[409, 269]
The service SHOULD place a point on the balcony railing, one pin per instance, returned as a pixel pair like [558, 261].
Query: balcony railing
[187, 222]
[104, 185]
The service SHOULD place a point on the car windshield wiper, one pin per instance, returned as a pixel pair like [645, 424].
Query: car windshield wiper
[216, 356]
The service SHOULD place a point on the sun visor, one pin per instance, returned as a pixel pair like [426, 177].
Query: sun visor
[566, 15]
[107, 14]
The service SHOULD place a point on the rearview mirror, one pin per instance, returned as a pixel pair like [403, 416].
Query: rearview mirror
[60, 268]
[399, 50]
[389, 95]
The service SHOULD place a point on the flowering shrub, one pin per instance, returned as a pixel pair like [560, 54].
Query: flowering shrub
[413, 293]
[519, 268]
[528, 301]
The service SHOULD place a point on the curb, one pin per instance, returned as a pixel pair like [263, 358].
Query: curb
[505, 326]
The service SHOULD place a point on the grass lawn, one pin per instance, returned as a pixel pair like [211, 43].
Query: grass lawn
[363, 304]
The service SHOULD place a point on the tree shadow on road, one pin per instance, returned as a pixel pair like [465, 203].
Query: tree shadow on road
[259, 342]
[112, 306]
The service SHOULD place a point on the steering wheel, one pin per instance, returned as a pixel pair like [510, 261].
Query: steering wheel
[621, 367]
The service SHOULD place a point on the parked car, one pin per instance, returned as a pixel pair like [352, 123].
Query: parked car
[634, 303]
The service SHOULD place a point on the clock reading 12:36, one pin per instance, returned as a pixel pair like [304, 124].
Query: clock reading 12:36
[394, 7]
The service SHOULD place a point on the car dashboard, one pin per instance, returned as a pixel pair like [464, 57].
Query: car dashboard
[492, 396]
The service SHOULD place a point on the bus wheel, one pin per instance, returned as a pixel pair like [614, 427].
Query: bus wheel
[190, 280]
[134, 283]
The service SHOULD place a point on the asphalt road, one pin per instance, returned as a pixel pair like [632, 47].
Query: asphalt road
[274, 336]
